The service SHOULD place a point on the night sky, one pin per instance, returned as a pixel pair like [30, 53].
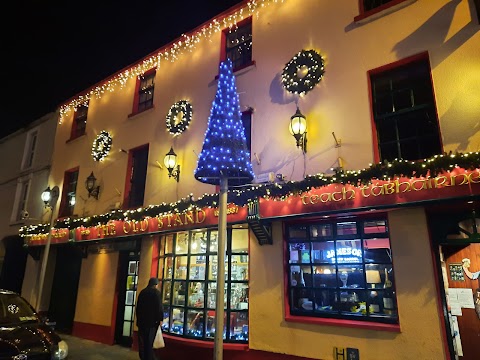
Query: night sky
[57, 49]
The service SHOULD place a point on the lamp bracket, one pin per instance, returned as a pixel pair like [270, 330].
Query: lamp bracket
[338, 142]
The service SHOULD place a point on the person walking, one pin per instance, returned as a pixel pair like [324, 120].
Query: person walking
[149, 313]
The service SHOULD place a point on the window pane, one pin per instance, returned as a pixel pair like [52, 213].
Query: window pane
[176, 325]
[349, 251]
[166, 292]
[182, 243]
[197, 267]
[239, 296]
[196, 297]
[168, 273]
[240, 240]
[181, 267]
[169, 244]
[210, 329]
[347, 228]
[299, 252]
[239, 326]
[199, 243]
[239, 267]
[321, 231]
[195, 323]
[323, 252]
[179, 289]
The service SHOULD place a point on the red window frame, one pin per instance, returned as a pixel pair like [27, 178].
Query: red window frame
[365, 14]
[136, 99]
[223, 49]
[65, 209]
[407, 61]
[78, 116]
[128, 185]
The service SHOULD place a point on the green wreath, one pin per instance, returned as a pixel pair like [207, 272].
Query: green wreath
[174, 125]
[303, 72]
[101, 146]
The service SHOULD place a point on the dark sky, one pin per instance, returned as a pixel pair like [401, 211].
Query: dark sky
[56, 49]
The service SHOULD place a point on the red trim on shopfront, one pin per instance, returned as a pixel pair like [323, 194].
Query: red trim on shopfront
[341, 323]
[94, 332]
[441, 314]
[155, 256]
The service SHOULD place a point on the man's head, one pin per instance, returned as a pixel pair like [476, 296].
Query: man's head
[153, 281]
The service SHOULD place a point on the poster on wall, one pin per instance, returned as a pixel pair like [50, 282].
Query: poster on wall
[456, 272]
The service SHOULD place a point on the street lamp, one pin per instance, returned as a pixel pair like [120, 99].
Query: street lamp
[49, 197]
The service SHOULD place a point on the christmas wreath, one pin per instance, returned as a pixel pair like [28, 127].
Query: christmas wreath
[101, 146]
[303, 72]
[179, 116]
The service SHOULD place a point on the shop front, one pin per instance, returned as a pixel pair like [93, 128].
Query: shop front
[347, 263]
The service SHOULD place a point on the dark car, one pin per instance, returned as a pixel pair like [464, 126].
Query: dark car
[23, 335]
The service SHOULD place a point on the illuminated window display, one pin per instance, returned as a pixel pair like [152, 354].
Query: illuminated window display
[188, 266]
[342, 270]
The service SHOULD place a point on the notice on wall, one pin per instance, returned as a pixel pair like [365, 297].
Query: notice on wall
[461, 297]
[456, 272]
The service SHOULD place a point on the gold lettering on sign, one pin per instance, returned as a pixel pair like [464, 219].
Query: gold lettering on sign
[230, 210]
[394, 187]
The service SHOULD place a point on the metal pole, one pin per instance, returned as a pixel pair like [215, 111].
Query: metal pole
[53, 200]
[222, 236]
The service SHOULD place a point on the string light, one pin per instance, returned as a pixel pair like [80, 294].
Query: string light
[101, 146]
[303, 72]
[174, 125]
[280, 192]
[186, 44]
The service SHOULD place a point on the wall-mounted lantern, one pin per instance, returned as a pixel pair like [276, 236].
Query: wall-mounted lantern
[170, 162]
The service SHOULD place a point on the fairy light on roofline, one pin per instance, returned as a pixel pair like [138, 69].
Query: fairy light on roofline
[186, 43]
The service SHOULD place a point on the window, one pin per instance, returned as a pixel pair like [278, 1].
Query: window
[144, 92]
[247, 125]
[238, 44]
[477, 7]
[188, 266]
[67, 203]
[30, 146]
[79, 121]
[369, 8]
[341, 270]
[405, 116]
[373, 4]
[136, 177]
[23, 188]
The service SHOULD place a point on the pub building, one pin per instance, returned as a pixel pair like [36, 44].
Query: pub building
[354, 246]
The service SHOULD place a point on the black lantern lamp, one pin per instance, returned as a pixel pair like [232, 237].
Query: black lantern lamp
[49, 196]
[170, 162]
[298, 128]
[90, 186]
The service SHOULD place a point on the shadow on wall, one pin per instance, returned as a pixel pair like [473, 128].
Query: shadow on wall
[435, 41]
[461, 126]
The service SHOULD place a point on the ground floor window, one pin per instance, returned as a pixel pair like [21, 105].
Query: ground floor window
[341, 269]
[188, 267]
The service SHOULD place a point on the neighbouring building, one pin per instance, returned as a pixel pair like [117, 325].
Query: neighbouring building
[26, 159]
[353, 238]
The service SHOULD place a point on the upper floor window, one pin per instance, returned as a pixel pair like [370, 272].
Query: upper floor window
[30, 147]
[369, 8]
[79, 121]
[144, 92]
[238, 44]
[188, 267]
[69, 191]
[136, 177]
[477, 8]
[21, 203]
[247, 125]
[404, 111]
[341, 270]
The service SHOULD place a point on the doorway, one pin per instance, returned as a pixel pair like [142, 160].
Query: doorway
[127, 296]
[63, 299]
[460, 286]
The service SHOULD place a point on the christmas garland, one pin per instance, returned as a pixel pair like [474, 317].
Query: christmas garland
[303, 72]
[277, 191]
[174, 126]
[101, 146]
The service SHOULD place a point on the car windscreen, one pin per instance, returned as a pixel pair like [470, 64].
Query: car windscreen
[15, 310]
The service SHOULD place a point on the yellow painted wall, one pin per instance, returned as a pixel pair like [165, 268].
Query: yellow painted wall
[420, 336]
[96, 289]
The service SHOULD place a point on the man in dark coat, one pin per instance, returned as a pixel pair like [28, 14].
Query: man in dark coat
[149, 312]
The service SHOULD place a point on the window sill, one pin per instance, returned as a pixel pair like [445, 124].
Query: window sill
[75, 138]
[140, 112]
[204, 343]
[343, 323]
[240, 68]
[382, 10]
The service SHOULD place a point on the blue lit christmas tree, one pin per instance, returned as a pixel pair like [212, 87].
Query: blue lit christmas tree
[224, 152]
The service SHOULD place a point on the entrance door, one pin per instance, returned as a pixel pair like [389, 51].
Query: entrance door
[63, 299]
[127, 296]
[464, 318]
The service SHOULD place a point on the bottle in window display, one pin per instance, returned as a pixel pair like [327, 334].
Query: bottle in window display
[388, 303]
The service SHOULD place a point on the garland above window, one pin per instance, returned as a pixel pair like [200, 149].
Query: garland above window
[303, 72]
[179, 117]
[101, 146]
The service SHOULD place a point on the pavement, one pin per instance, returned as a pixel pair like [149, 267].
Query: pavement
[82, 349]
